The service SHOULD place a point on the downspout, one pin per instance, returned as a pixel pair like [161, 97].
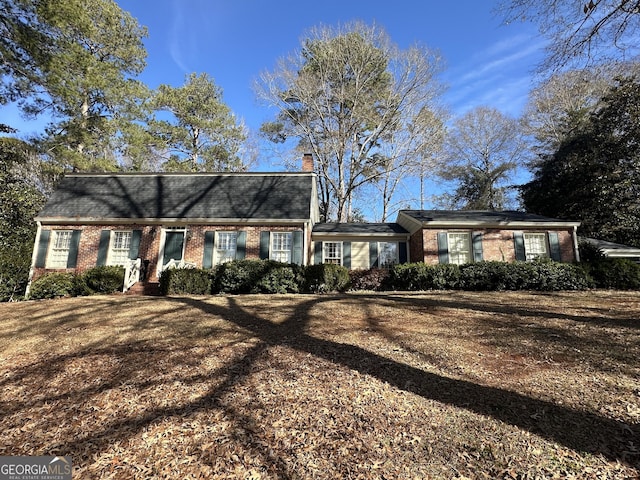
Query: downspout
[34, 256]
[576, 248]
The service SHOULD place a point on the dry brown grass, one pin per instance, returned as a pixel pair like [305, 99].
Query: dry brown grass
[436, 385]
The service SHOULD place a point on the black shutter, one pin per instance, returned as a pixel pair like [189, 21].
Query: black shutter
[346, 254]
[134, 248]
[373, 254]
[443, 247]
[518, 242]
[554, 247]
[317, 253]
[477, 246]
[103, 247]
[241, 245]
[265, 240]
[296, 248]
[207, 257]
[402, 252]
[43, 246]
[72, 259]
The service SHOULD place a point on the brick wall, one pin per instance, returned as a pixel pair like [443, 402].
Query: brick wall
[150, 243]
[497, 245]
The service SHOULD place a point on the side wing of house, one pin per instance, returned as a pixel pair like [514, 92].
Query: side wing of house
[360, 245]
[464, 237]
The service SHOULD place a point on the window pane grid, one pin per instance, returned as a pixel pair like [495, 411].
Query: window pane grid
[120, 246]
[332, 252]
[535, 245]
[60, 246]
[226, 245]
[387, 254]
[459, 248]
[281, 247]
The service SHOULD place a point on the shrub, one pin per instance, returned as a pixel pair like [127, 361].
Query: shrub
[257, 276]
[326, 277]
[104, 279]
[419, 276]
[375, 279]
[616, 273]
[181, 281]
[279, 278]
[58, 284]
[545, 275]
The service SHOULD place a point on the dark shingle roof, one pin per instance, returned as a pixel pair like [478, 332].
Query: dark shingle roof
[478, 216]
[366, 228]
[284, 196]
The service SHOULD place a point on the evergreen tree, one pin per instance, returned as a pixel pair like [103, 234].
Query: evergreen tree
[594, 175]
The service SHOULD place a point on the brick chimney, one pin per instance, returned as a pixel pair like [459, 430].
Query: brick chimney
[307, 162]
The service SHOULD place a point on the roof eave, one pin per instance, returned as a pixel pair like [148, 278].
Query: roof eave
[155, 221]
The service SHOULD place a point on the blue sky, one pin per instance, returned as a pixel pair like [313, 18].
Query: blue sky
[234, 40]
[486, 63]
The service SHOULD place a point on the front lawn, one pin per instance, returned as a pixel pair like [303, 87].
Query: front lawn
[373, 386]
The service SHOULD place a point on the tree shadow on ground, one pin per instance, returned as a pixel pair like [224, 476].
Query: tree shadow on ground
[578, 430]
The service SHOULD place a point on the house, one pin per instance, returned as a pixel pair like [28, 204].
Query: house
[164, 219]
[197, 219]
[441, 236]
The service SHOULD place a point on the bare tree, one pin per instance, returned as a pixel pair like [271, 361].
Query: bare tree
[559, 104]
[482, 150]
[346, 96]
[590, 30]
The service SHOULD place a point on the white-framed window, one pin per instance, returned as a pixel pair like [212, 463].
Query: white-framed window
[226, 246]
[387, 254]
[459, 245]
[535, 246]
[59, 247]
[281, 246]
[119, 247]
[332, 252]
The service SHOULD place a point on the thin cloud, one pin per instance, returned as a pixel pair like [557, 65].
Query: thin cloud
[500, 76]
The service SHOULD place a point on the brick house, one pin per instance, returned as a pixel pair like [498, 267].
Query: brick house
[206, 219]
[198, 219]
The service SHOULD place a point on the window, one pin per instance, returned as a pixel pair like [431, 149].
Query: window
[226, 244]
[459, 245]
[119, 248]
[535, 246]
[59, 249]
[281, 246]
[387, 254]
[332, 252]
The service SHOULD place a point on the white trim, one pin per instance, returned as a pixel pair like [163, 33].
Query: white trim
[177, 221]
[109, 259]
[163, 238]
[34, 257]
[339, 242]
[216, 233]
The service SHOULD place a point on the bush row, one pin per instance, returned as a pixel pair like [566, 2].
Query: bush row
[65, 284]
[255, 276]
[265, 276]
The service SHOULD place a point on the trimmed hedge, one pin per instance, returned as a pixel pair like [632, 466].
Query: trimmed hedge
[489, 276]
[58, 284]
[257, 276]
[104, 279]
[325, 278]
[185, 281]
[420, 276]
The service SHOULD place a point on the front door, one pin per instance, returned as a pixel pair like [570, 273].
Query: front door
[173, 246]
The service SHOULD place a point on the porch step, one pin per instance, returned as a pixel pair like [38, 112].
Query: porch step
[145, 288]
